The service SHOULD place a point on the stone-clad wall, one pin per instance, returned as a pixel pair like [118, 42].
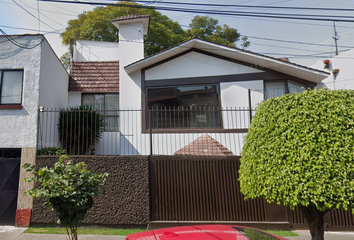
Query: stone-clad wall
[124, 199]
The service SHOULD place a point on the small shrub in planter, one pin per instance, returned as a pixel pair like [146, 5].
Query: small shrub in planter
[52, 151]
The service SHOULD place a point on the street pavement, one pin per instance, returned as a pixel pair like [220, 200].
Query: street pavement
[305, 235]
[13, 233]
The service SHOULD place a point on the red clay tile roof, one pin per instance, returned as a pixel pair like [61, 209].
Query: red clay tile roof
[129, 17]
[94, 77]
[205, 146]
[284, 59]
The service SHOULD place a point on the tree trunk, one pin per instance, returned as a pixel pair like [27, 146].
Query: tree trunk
[315, 221]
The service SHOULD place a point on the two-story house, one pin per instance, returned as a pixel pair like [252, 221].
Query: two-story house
[31, 75]
[196, 98]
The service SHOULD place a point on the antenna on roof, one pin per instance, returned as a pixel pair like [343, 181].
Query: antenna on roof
[39, 19]
[336, 37]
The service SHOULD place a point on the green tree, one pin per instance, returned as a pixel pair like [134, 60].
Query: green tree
[66, 60]
[299, 152]
[68, 188]
[163, 32]
[207, 28]
[96, 25]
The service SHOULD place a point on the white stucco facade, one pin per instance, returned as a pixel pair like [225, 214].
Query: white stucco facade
[19, 126]
[53, 81]
[340, 69]
[85, 50]
[131, 43]
[196, 64]
[45, 82]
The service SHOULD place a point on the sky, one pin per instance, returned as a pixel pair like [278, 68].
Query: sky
[303, 42]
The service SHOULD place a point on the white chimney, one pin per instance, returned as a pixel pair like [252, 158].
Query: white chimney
[131, 49]
[132, 29]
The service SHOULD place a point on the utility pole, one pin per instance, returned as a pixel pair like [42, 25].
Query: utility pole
[336, 37]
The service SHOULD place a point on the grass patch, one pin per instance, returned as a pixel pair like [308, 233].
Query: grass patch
[282, 233]
[82, 231]
[121, 232]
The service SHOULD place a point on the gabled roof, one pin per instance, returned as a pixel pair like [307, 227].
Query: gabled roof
[130, 17]
[94, 77]
[251, 58]
[145, 19]
[204, 146]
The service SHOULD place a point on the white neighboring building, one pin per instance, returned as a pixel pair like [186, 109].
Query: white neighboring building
[31, 75]
[192, 75]
[85, 50]
[341, 71]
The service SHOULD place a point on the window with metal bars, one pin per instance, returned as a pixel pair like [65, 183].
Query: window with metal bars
[184, 106]
[108, 105]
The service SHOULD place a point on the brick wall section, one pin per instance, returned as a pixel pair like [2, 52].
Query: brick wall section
[124, 199]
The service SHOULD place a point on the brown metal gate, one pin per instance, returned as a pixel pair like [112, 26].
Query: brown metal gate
[185, 188]
[200, 189]
[9, 179]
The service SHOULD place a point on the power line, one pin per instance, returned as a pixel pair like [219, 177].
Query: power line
[31, 14]
[292, 48]
[55, 5]
[241, 6]
[41, 13]
[39, 21]
[46, 10]
[6, 4]
[33, 30]
[13, 41]
[294, 42]
[224, 13]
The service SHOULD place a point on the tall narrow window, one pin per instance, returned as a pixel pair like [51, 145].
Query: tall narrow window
[295, 87]
[107, 105]
[11, 87]
[275, 89]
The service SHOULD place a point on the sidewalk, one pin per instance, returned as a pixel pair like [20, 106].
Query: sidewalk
[13, 233]
[31, 236]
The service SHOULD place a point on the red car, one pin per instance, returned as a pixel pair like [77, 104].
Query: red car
[205, 232]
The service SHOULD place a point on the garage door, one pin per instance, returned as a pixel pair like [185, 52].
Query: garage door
[10, 160]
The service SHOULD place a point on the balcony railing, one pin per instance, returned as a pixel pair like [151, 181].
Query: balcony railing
[167, 131]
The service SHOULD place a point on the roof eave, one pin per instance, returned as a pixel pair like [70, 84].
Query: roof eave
[292, 69]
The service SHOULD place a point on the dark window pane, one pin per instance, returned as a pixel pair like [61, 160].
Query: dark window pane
[280, 88]
[184, 106]
[96, 101]
[295, 87]
[275, 89]
[108, 106]
[11, 87]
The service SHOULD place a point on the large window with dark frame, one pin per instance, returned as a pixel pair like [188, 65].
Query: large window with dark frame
[282, 87]
[11, 82]
[108, 105]
[187, 106]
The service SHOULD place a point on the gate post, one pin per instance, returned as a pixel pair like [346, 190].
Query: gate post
[25, 203]
[150, 128]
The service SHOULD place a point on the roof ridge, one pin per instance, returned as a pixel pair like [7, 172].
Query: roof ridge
[230, 47]
[204, 145]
